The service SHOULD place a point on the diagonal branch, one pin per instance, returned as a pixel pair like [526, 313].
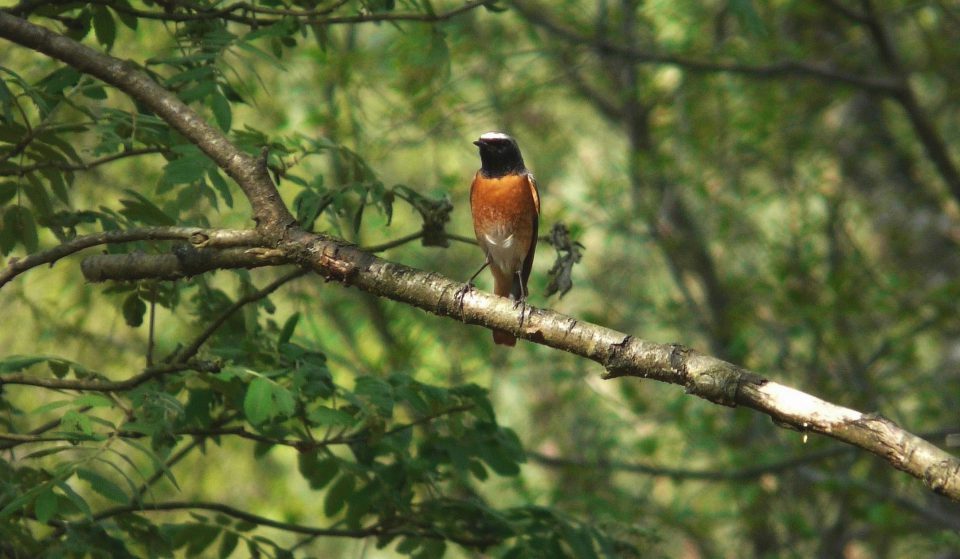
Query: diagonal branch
[620, 354]
[250, 174]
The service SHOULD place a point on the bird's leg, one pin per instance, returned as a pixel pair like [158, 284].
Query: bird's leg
[462, 292]
[522, 301]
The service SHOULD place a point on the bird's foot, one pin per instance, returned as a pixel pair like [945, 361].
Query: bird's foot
[459, 296]
[521, 304]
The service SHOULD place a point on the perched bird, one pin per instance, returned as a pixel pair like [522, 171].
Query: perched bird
[506, 209]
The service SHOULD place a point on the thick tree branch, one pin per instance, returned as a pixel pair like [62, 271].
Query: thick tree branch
[620, 354]
[623, 355]
[184, 262]
[197, 237]
[247, 171]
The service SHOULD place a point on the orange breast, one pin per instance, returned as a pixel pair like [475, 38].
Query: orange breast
[504, 211]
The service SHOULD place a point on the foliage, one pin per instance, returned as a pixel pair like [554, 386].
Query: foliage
[774, 183]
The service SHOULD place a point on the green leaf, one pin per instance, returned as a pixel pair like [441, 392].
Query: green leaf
[104, 27]
[142, 210]
[158, 464]
[431, 549]
[133, 310]
[228, 544]
[93, 401]
[45, 506]
[309, 204]
[221, 110]
[187, 169]
[94, 91]
[338, 494]
[197, 537]
[220, 184]
[76, 422]
[18, 227]
[266, 400]
[127, 19]
[58, 80]
[16, 363]
[287, 331]
[376, 392]
[59, 368]
[316, 471]
[57, 184]
[74, 498]
[8, 190]
[20, 502]
[103, 486]
[323, 416]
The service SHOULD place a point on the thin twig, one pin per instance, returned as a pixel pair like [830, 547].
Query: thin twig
[96, 385]
[83, 166]
[235, 13]
[191, 350]
[394, 243]
[535, 15]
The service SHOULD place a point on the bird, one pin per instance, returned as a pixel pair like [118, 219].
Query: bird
[505, 204]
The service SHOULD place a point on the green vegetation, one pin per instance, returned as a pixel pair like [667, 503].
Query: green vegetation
[774, 184]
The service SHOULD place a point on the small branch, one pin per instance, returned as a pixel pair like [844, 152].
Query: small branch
[462, 239]
[94, 385]
[394, 243]
[85, 166]
[238, 514]
[774, 70]
[191, 350]
[300, 445]
[236, 13]
[153, 320]
[197, 237]
[844, 11]
[680, 474]
[623, 355]
[375, 530]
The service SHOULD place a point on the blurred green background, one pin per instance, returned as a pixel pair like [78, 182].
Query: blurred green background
[772, 183]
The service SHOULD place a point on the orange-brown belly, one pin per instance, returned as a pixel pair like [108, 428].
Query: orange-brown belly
[503, 219]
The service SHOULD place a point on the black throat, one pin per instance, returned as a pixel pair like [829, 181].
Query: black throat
[499, 158]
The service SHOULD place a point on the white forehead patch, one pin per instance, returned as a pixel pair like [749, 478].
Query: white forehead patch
[494, 136]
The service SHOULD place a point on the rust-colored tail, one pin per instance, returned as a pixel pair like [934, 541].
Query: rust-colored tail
[502, 286]
[502, 338]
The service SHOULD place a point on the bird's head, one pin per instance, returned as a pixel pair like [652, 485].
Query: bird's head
[499, 154]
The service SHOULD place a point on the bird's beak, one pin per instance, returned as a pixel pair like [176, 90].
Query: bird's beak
[477, 142]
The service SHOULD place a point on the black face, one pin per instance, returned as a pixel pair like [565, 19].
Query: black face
[499, 155]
